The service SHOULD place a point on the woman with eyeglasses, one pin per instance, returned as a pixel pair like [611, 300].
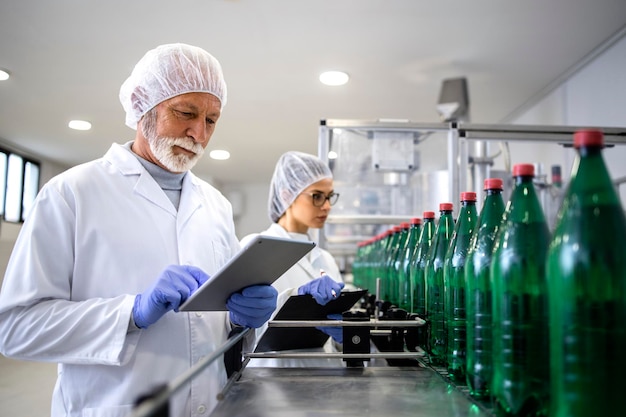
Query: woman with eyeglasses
[300, 198]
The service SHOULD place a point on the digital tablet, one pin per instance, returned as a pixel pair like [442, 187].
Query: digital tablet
[262, 261]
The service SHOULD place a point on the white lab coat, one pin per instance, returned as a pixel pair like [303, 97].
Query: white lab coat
[307, 269]
[99, 234]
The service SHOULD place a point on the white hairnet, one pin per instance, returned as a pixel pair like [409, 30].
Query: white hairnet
[168, 71]
[294, 172]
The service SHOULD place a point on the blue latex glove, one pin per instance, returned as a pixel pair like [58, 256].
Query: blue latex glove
[171, 289]
[253, 306]
[335, 332]
[322, 289]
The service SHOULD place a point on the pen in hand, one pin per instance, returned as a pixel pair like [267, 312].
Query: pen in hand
[334, 294]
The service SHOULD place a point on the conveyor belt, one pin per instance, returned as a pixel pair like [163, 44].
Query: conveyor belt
[310, 392]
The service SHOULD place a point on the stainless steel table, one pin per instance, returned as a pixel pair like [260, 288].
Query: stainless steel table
[309, 392]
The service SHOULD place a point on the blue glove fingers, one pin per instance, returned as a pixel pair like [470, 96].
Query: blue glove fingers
[249, 317]
[322, 289]
[253, 306]
[262, 291]
[252, 302]
[198, 274]
[177, 283]
[253, 322]
[330, 284]
[170, 296]
[256, 296]
[191, 279]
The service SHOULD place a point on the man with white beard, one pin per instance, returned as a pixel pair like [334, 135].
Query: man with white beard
[114, 246]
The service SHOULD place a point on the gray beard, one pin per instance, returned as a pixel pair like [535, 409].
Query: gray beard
[162, 149]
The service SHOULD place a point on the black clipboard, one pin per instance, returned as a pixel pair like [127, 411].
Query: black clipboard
[262, 261]
[304, 307]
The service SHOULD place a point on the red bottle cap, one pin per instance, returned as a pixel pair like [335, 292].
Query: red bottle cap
[405, 225]
[396, 228]
[468, 196]
[493, 184]
[416, 220]
[523, 170]
[429, 215]
[588, 138]
[446, 207]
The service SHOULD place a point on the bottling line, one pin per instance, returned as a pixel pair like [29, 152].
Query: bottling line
[383, 180]
[389, 171]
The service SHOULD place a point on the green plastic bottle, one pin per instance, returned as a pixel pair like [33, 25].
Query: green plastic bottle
[554, 196]
[418, 276]
[400, 233]
[436, 346]
[587, 290]
[358, 265]
[418, 263]
[379, 261]
[362, 265]
[454, 286]
[520, 306]
[478, 291]
[404, 273]
[370, 263]
[367, 264]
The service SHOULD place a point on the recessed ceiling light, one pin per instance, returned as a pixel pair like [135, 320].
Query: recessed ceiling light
[334, 78]
[79, 125]
[219, 154]
[4, 74]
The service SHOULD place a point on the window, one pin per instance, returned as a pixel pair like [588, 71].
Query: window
[19, 184]
[31, 187]
[3, 180]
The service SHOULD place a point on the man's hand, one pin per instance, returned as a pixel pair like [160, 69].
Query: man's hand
[175, 284]
[253, 306]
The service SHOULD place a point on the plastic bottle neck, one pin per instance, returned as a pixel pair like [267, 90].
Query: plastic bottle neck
[586, 151]
[524, 179]
[493, 191]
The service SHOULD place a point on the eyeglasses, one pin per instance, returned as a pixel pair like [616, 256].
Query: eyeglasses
[319, 199]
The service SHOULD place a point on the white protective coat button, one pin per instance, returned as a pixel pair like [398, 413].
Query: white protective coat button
[201, 409]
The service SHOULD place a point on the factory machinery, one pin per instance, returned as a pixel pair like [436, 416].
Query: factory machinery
[381, 376]
[383, 180]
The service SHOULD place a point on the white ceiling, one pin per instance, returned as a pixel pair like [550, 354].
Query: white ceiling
[69, 57]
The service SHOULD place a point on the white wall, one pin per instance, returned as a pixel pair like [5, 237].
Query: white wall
[252, 202]
[593, 96]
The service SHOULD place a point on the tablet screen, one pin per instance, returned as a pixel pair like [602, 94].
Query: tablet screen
[262, 261]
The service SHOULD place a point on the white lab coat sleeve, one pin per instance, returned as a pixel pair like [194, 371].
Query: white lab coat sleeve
[39, 319]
